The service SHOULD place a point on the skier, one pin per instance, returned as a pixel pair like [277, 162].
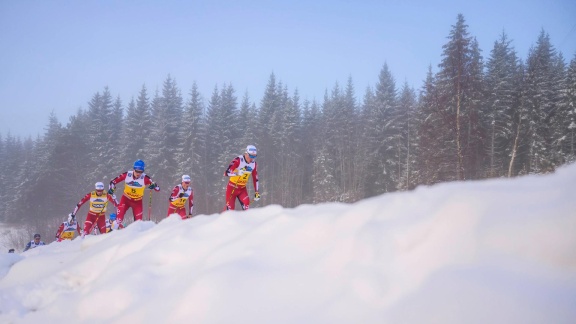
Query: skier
[135, 182]
[97, 210]
[239, 171]
[67, 229]
[34, 243]
[111, 224]
[180, 194]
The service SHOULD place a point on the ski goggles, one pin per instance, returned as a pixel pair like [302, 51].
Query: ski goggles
[251, 156]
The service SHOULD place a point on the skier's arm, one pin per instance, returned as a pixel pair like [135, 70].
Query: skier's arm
[191, 203]
[151, 184]
[174, 194]
[255, 178]
[115, 181]
[81, 202]
[231, 167]
[60, 229]
[112, 199]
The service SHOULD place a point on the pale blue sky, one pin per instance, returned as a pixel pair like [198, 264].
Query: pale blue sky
[55, 55]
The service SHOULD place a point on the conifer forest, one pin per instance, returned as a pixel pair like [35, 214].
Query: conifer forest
[478, 114]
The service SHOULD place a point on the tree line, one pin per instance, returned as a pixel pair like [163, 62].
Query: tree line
[473, 118]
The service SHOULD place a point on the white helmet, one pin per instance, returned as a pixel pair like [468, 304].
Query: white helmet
[186, 178]
[99, 186]
[251, 150]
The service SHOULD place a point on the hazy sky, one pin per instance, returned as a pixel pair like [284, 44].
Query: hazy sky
[55, 55]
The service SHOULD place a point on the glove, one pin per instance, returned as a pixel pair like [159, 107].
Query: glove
[111, 191]
[256, 196]
[181, 195]
[240, 172]
[248, 168]
[72, 215]
[153, 185]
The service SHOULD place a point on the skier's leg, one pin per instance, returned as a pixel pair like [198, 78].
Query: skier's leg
[230, 198]
[122, 208]
[101, 222]
[171, 209]
[90, 218]
[137, 209]
[244, 199]
[182, 212]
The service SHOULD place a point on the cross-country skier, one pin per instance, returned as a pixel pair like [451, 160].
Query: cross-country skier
[97, 210]
[135, 182]
[111, 224]
[68, 229]
[239, 172]
[34, 243]
[181, 194]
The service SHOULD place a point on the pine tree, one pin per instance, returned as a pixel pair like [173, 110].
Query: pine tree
[266, 137]
[222, 123]
[380, 136]
[12, 164]
[460, 88]
[52, 175]
[339, 120]
[289, 155]
[352, 140]
[407, 145]
[166, 120]
[502, 101]
[116, 124]
[569, 143]
[432, 163]
[560, 118]
[193, 146]
[135, 134]
[365, 166]
[542, 102]
[311, 139]
[323, 179]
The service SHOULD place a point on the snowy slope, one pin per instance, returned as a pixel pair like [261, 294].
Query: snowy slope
[495, 251]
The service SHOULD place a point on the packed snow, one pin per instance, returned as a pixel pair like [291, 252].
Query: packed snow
[493, 251]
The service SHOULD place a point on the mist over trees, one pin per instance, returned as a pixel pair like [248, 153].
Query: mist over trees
[472, 118]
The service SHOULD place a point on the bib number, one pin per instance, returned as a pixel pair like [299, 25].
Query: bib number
[67, 235]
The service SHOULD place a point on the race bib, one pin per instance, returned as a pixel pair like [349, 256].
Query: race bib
[179, 202]
[241, 180]
[67, 235]
[133, 192]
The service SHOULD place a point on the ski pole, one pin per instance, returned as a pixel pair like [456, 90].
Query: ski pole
[150, 205]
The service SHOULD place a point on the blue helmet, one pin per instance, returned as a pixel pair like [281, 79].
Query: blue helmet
[139, 165]
[112, 217]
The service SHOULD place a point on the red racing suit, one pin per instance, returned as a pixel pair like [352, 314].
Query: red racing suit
[236, 188]
[66, 231]
[133, 193]
[97, 210]
[177, 201]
